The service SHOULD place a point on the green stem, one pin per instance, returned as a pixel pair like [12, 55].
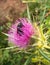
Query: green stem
[28, 13]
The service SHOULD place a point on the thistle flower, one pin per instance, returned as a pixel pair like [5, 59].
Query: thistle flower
[20, 32]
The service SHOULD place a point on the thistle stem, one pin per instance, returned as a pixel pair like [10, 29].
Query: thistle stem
[28, 13]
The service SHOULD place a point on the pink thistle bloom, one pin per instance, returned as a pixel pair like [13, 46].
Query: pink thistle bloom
[20, 32]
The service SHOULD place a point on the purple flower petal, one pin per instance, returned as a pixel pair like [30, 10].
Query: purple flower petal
[21, 31]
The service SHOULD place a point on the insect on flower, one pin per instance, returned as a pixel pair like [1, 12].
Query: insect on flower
[20, 32]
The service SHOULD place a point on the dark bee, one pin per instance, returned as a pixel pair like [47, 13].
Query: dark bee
[19, 31]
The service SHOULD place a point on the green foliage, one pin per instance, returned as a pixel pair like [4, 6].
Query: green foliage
[3, 41]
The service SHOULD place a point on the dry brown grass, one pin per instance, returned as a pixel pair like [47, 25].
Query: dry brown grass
[10, 9]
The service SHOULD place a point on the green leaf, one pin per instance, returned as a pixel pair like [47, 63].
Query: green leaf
[6, 54]
[28, 60]
[44, 55]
